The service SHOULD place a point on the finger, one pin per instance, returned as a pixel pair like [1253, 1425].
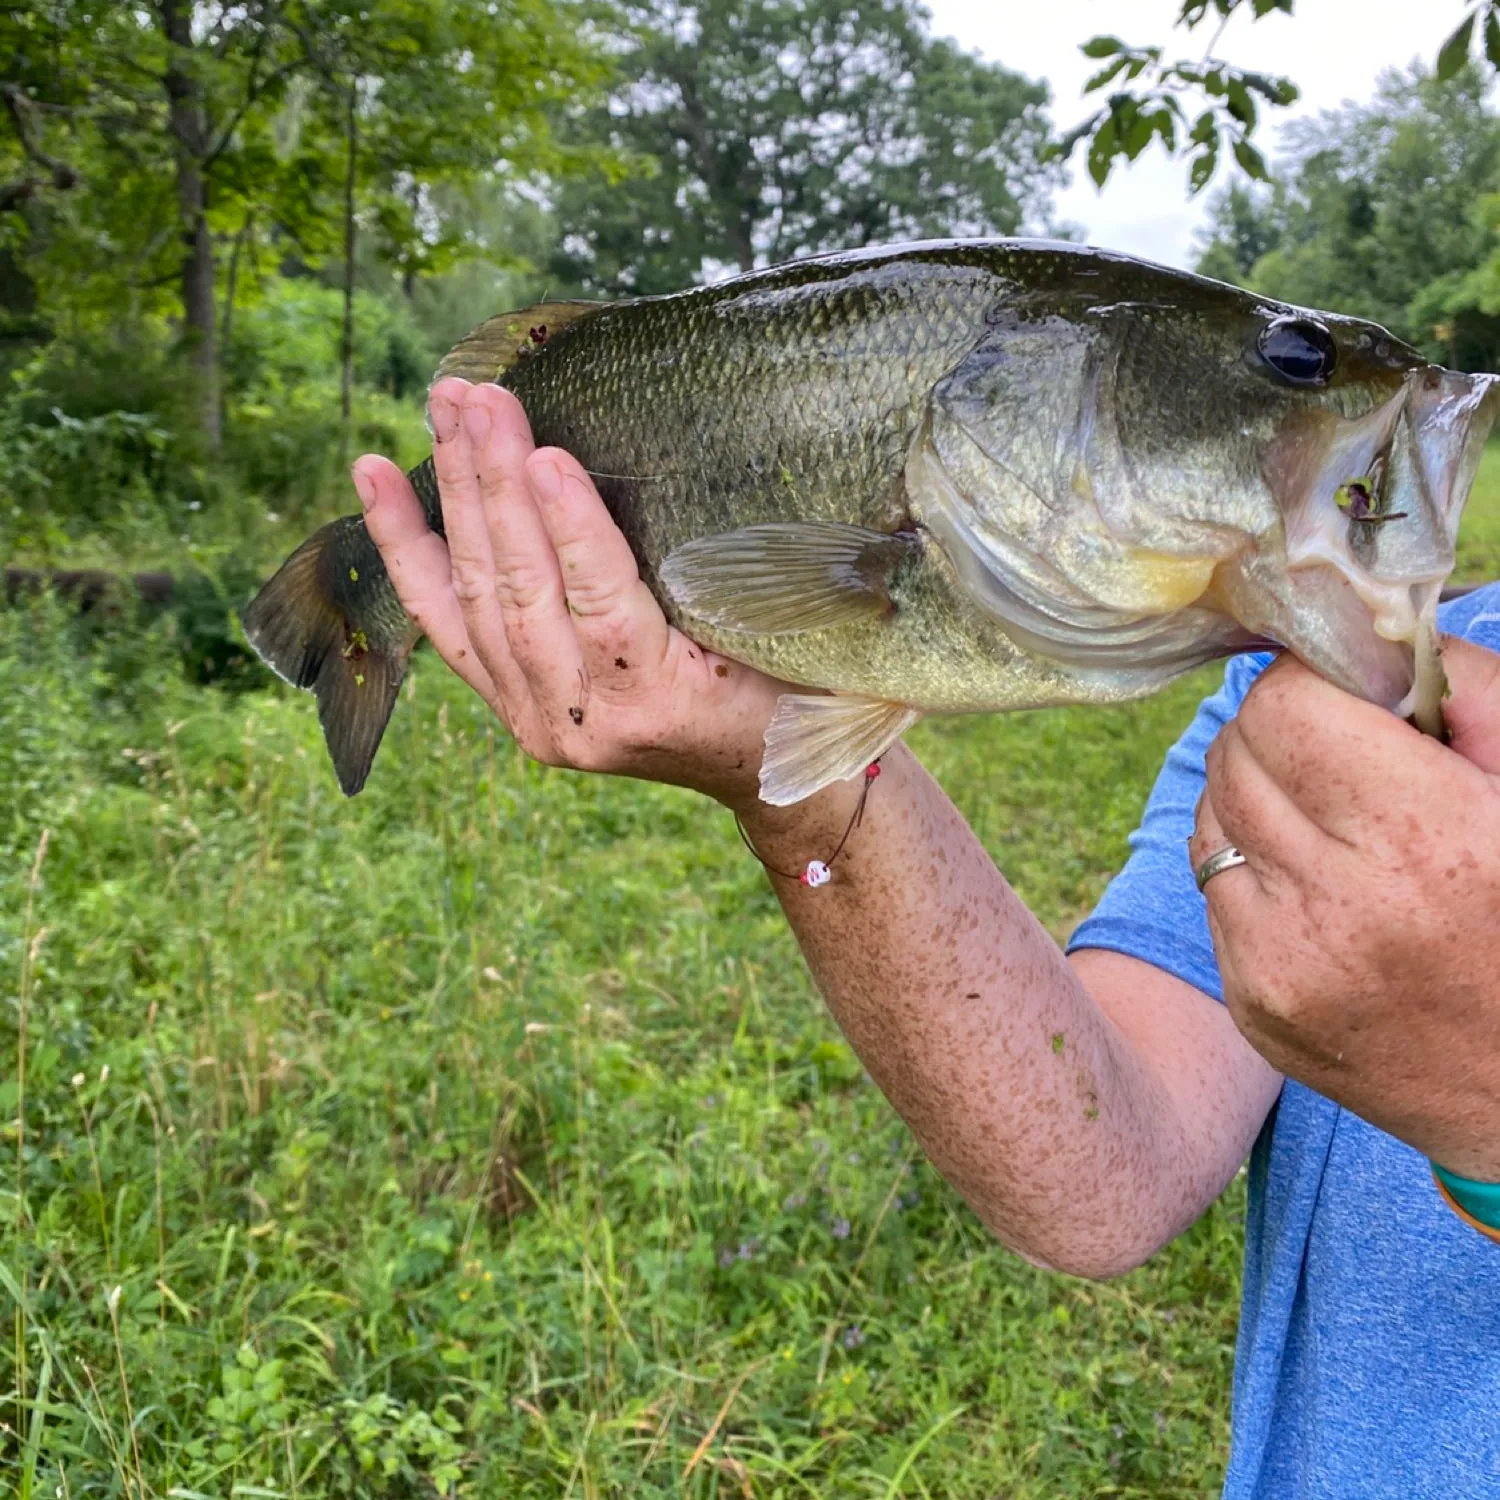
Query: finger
[457, 456]
[615, 616]
[416, 559]
[1208, 839]
[1233, 896]
[1473, 707]
[1323, 747]
[1254, 813]
[527, 582]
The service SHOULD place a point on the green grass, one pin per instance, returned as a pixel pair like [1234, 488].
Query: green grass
[1479, 536]
[484, 1134]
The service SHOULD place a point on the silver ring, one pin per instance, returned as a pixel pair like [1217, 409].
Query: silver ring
[1217, 862]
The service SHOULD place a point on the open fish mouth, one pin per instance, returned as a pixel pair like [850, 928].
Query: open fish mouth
[1371, 507]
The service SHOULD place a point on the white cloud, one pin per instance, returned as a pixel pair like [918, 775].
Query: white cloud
[1334, 49]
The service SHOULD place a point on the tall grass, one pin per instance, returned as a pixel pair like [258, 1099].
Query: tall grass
[484, 1135]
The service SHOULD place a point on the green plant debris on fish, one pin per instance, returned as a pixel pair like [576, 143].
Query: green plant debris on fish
[957, 477]
[1358, 500]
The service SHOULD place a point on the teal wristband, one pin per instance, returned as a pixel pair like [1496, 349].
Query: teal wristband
[1480, 1200]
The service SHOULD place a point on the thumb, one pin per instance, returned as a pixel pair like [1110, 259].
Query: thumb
[1472, 708]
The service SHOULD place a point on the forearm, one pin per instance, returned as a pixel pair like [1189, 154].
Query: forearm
[1076, 1125]
[1068, 1141]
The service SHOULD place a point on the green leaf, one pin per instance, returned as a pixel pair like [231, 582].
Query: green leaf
[38, 1424]
[1455, 51]
[1136, 131]
[1102, 46]
[1203, 168]
[1281, 91]
[1241, 105]
[1064, 148]
[1102, 152]
[1252, 163]
[1105, 74]
[1492, 38]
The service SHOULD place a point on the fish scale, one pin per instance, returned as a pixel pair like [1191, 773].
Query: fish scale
[774, 438]
[959, 476]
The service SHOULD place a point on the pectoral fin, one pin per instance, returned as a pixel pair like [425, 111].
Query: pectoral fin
[812, 741]
[782, 578]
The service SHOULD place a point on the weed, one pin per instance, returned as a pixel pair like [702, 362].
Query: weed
[483, 1135]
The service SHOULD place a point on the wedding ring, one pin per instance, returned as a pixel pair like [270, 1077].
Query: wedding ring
[1217, 862]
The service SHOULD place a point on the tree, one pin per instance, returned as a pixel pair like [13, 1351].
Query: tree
[775, 128]
[1243, 225]
[1385, 209]
[150, 100]
[413, 96]
[1152, 97]
[143, 138]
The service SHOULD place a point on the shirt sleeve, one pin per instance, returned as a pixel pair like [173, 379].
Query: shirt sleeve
[1153, 909]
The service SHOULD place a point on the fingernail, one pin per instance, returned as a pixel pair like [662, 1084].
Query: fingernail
[442, 417]
[362, 487]
[546, 480]
[476, 421]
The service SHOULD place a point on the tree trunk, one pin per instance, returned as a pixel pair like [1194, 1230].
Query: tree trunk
[726, 191]
[226, 323]
[744, 247]
[189, 131]
[409, 268]
[346, 352]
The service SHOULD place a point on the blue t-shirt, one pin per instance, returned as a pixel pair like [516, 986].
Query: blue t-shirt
[1368, 1360]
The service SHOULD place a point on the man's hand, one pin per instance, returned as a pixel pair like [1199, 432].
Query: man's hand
[1360, 947]
[535, 601]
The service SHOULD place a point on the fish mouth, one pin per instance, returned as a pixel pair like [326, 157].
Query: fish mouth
[1370, 509]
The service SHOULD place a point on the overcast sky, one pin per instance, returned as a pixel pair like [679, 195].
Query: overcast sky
[1334, 49]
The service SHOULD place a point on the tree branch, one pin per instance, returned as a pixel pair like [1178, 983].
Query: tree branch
[59, 174]
[132, 66]
[19, 107]
[253, 91]
[14, 194]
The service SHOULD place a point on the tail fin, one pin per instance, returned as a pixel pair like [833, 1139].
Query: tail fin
[330, 621]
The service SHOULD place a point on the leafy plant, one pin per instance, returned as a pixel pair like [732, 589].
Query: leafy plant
[768, 129]
[1159, 104]
[1205, 108]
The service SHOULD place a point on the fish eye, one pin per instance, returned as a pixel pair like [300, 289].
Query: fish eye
[1299, 350]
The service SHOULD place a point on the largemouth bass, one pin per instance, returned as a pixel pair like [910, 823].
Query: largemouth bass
[957, 477]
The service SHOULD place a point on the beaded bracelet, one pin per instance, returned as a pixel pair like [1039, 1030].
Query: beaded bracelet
[819, 871]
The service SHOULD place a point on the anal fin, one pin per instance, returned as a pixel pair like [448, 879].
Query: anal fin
[813, 741]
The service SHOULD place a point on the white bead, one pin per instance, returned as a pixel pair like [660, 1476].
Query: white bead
[817, 873]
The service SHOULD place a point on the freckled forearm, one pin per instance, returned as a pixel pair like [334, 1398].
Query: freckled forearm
[1017, 1084]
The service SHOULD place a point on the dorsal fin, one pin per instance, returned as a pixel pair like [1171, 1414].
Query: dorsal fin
[502, 342]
